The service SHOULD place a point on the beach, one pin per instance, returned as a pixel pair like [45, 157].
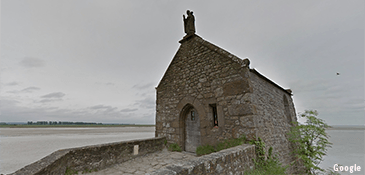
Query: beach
[22, 146]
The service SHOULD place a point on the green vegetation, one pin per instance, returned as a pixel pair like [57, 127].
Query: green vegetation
[70, 171]
[207, 149]
[265, 164]
[311, 141]
[174, 147]
[89, 171]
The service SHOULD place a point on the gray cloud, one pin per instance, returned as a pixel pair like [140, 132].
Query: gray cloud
[54, 95]
[12, 83]
[30, 89]
[31, 62]
[107, 84]
[144, 89]
[148, 103]
[50, 100]
[128, 110]
[143, 86]
[104, 109]
[11, 110]
[286, 40]
[26, 90]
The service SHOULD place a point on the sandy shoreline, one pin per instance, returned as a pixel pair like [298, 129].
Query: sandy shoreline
[22, 146]
[13, 132]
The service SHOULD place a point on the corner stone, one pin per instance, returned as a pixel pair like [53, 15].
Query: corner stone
[240, 109]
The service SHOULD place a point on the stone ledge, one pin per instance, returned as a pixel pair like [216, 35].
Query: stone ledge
[91, 157]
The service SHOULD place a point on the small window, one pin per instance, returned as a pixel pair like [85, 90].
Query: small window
[215, 116]
[192, 115]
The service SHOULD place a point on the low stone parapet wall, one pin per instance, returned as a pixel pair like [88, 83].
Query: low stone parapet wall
[92, 157]
[234, 160]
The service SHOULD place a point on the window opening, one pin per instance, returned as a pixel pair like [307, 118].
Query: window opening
[192, 115]
[215, 116]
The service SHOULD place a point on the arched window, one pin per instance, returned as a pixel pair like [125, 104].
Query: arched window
[287, 110]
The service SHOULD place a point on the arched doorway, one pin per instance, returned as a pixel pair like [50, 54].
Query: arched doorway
[192, 128]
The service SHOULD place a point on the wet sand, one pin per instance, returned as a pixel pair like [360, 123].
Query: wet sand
[22, 146]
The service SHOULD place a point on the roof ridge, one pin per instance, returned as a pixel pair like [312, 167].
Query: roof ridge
[217, 49]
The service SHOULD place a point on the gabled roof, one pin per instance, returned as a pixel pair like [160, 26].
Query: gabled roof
[213, 48]
[271, 82]
[224, 53]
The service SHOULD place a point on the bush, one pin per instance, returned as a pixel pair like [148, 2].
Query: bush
[174, 147]
[265, 165]
[311, 141]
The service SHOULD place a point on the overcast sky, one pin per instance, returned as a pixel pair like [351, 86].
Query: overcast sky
[100, 60]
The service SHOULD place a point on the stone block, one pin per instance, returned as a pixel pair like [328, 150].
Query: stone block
[240, 109]
[236, 87]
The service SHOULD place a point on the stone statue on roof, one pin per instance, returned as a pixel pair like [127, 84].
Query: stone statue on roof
[189, 26]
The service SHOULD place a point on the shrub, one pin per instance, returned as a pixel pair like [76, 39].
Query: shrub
[207, 149]
[265, 165]
[311, 141]
[174, 147]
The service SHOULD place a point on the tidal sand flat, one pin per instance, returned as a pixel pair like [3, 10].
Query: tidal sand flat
[22, 146]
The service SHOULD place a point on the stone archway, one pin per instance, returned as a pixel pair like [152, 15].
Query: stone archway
[184, 106]
[191, 119]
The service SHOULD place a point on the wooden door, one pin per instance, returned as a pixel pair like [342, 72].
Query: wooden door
[192, 130]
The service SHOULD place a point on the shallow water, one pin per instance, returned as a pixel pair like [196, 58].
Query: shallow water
[348, 149]
[22, 146]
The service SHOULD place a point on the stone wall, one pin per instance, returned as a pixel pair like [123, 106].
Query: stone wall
[273, 118]
[234, 160]
[92, 157]
[202, 74]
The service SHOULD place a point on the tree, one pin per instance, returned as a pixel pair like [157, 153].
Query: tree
[311, 141]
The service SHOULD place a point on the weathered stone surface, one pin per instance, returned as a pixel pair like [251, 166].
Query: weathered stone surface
[237, 87]
[234, 160]
[240, 109]
[203, 75]
[91, 157]
[200, 75]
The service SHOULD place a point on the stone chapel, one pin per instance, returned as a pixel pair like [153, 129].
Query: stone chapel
[208, 95]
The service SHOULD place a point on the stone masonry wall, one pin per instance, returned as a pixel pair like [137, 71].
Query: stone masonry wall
[234, 160]
[91, 157]
[271, 119]
[202, 74]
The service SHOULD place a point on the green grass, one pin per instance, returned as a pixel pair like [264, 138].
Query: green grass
[70, 171]
[207, 149]
[89, 171]
[174, 147]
